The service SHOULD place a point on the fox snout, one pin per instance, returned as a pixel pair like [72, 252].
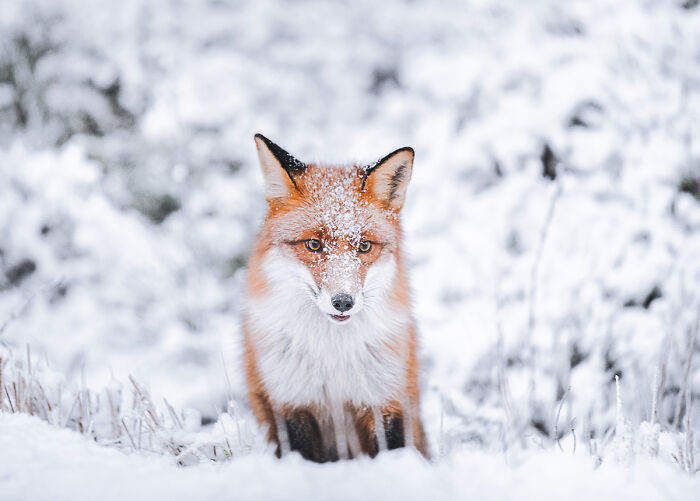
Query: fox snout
[339, 277]
[339, 306]
[342, 307]
[340, 299]
[342, 302]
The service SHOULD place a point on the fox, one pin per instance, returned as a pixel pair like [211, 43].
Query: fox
[329, 338]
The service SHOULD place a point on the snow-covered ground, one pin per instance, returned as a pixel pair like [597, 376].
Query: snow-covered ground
[552, 225]
[41, 462]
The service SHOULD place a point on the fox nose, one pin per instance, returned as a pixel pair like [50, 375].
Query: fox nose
[342, 302]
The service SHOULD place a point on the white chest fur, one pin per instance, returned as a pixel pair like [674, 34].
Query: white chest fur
[304, 359]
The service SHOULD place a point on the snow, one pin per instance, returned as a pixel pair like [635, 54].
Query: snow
[41, 462]
[130, 194]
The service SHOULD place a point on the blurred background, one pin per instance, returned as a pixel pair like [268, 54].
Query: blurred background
[552, 223]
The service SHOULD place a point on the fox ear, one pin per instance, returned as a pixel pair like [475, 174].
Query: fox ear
[388, 178]
[279, 168]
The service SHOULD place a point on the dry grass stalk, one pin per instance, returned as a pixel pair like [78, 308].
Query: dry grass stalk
[686, 373]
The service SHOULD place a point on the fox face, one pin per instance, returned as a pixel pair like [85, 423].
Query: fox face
[331, 239]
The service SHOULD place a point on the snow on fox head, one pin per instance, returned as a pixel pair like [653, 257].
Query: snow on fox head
[331, 236]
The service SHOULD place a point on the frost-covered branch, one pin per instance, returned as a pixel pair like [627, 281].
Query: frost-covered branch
[686, 372]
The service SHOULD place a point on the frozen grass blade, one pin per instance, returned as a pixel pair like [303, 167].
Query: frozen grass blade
[555, 429]
[9, 401]
[689, 436]
[139, 432]
[532, 294]
[686, 373]
[654, 397]
[173, 415]
[128, 434]
[16, 388]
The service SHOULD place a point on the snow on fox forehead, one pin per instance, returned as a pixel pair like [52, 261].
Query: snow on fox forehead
[331, 205]
[334, 197]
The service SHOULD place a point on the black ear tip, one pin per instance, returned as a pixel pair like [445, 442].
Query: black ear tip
[266, 141]
[406, 149]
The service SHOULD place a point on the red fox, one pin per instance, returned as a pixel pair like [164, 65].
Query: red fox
[330, 343]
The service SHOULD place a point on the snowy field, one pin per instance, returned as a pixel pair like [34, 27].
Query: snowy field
[552, 227]
[47, 463]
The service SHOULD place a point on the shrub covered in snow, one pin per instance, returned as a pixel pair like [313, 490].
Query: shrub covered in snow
[552, 223]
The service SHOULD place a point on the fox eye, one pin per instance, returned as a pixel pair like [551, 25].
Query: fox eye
[365, 247]
[313, 245]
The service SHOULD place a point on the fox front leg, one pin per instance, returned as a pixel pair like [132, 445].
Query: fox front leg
[304, 435]
[380, 428]
[394, 431]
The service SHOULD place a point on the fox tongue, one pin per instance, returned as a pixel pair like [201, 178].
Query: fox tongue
[341, 317]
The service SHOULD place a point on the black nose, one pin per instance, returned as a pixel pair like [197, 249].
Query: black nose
[342, 302]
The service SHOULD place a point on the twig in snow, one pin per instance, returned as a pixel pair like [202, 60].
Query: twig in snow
[510, 426]
[442, 425]
[686, 373]
[689, 438]
[45, 400]
[229, 392]
[556, 421]
[29, 361]
[128, 433]
[654, 396]
[9, 400]
[75, 400]
[504, 389]
[538, 256]
[17, 392]
[173, 415]
[228, 453]
[660, 390]
[532, 296]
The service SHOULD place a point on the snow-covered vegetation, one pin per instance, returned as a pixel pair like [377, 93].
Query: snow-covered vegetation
[552, 226]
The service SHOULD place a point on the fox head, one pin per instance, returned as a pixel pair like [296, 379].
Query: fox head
[330, 242]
